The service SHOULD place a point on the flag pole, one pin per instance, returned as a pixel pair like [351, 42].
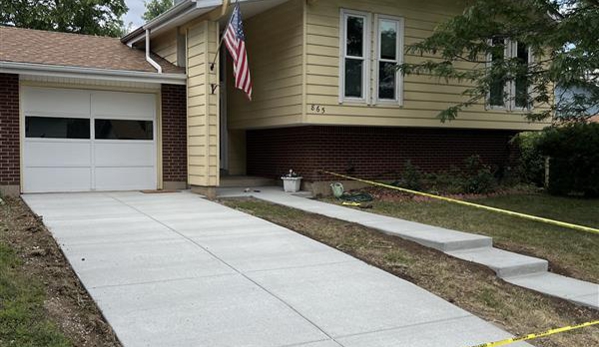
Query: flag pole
[222, 38]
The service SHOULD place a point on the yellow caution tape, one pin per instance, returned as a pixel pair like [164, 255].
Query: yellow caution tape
[536, 336]
[465, 203]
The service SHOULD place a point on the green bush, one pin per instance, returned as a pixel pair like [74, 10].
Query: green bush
[451, 181]
[574, 163]
[477, 177]
[411, 176]
[531, 162]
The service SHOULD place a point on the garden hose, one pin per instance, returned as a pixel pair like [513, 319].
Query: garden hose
[356, 198]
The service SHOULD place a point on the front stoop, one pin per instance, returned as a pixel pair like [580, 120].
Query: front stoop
[521, 270]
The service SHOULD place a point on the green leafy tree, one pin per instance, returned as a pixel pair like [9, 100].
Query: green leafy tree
[560, 34]
[155, 8]
[94, 17]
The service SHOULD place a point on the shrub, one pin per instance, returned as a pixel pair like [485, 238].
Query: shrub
[574, 163]
[531, 162]
[478, 177]
[451, 181]
[411, 176]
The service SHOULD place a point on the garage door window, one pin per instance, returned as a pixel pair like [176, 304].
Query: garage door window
[112, 129]
[56, 128]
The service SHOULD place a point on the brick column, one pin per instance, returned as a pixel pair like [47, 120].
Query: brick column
[10, 174]
[174, 136]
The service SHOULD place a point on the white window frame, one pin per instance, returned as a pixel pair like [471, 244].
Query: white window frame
[367, 34]
[512, 85]
[399, 88]
[506, 87]
[509, 103]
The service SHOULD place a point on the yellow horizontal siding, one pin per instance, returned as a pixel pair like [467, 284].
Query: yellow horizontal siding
[275, 51]
[202, 106]
[424, 96]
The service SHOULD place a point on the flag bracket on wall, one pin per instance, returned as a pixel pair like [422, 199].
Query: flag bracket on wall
[234, 39]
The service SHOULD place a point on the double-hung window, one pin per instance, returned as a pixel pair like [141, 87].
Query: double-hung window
[356, 56]
[510, 93]
[389, 55]
[362, 65]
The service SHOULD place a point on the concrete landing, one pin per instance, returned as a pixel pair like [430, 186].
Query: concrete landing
[504, 263]
[521, 270]
[177, 270]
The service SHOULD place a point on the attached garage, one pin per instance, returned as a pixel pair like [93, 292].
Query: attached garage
[88, 140]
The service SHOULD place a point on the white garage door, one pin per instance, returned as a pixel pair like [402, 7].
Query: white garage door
[80, 140]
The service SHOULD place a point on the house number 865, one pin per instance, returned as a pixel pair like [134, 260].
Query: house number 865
[318, 109]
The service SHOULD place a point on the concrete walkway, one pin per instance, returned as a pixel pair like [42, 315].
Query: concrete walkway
[177, 270]
[515, 268]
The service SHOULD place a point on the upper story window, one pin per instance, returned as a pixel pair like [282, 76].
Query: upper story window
[389, 55]
[510, 93]
[356, 55]
[363, 64]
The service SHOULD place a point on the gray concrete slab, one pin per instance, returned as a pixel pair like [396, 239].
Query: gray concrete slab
[177, 270]
[591, 300]
[255, 252]
[110, 264]
[454, 333]
[111, 230]
[369, 299]
[212, 311]
[504, 263]
[326, 343]
[560, 286]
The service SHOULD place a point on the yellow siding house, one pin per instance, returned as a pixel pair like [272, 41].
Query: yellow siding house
[326, 94]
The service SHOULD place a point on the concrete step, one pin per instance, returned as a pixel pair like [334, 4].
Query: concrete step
[580, 292]
[443, 240]
[245, 182]
[504, 263]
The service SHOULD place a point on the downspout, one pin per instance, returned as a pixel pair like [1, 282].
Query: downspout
[148, 58]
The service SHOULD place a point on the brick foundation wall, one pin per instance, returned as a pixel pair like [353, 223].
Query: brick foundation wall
[9, 132]
[369, 152]
[174, 133]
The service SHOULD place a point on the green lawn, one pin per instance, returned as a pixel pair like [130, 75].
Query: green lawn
[23, 319]
[569, 252]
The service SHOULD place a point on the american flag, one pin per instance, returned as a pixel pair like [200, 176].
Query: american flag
[235, 42]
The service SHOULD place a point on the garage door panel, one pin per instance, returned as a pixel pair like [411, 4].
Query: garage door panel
[81, 140]
[124, 153]
[57, 179]
[123, 105]
[56, 102]
[57, 153]
[119, 178]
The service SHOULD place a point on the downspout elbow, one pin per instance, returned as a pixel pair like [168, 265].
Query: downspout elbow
[148, 58]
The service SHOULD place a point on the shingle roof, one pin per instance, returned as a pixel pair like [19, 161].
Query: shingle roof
[63, 49]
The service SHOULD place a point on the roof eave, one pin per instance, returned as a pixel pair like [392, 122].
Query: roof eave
[92, 73]
[177, 14]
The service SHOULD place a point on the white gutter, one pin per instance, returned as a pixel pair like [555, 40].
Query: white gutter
[91, 73]
[148, 58]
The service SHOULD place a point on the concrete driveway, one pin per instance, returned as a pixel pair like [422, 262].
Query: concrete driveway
[177, 270]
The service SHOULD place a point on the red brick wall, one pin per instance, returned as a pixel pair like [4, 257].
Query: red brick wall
[174, 133]
[369, 152]
[9, 130]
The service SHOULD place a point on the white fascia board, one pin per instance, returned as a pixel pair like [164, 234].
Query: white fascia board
[177, 15]
[91, 73]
